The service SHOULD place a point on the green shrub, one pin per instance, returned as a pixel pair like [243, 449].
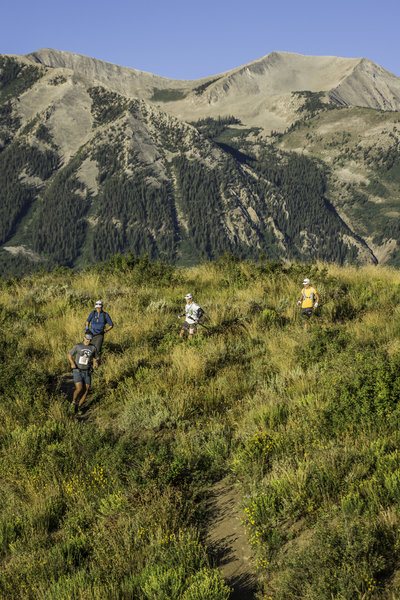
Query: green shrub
[254, 455]
[341, 559]
[162, 584]
[207, 585]
[269, 316]
[365, 390]
[322, 344]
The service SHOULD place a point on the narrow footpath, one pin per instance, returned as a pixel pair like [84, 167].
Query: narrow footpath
[228, 542]
[66, 386]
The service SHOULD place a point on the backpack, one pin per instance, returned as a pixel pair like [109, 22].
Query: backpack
[93, 313]
[200, 313]
[311, 296]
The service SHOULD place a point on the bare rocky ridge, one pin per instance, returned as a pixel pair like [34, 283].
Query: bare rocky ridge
[257, 93]
[124, 80]
[368, 85]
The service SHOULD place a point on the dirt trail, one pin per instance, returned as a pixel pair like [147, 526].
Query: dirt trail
[228, 542]
[65, 385]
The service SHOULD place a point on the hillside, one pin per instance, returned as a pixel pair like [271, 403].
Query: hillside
[361, 151]
[97, 159]
[115, 503]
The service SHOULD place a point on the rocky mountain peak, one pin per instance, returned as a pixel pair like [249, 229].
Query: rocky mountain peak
[347, 81]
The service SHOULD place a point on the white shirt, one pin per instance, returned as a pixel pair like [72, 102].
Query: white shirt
[191, 312]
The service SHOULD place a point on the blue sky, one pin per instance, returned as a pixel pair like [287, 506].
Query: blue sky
[189, 40]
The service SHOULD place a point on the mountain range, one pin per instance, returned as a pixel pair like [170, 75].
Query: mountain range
[289, 157]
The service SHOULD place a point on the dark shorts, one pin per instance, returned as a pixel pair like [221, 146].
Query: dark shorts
[81, 376]
[192, 327]
[98, 341]
[307, 312]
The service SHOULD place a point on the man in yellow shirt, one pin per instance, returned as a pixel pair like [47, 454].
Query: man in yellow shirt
[308, 300]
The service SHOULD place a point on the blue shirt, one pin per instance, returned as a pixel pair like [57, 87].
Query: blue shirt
[98, 321]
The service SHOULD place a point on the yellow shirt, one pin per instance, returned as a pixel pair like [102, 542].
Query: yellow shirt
[308, 297]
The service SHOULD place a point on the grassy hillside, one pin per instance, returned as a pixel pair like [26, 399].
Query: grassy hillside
[112, 504]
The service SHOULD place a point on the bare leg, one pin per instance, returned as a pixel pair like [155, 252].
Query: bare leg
[78, 389]
[182, 333]
[83, 397]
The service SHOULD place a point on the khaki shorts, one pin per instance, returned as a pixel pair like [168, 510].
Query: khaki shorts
[192, 327]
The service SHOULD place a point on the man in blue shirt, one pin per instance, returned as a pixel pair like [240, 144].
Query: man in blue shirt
[97, 322]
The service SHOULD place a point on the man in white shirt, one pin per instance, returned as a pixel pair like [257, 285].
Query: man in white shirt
[191, 315]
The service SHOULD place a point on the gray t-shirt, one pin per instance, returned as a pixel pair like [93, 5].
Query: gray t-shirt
[83, 355]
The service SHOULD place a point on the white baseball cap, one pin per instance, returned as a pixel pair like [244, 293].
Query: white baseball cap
[306, 281]
[99, 303]
[188, 296]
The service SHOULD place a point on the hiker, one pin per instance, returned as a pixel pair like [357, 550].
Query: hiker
[96, 323]
[81, 357]
[192, 314]
[308, 300]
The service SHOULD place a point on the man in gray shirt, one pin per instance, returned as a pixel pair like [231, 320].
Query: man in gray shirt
[81, 357]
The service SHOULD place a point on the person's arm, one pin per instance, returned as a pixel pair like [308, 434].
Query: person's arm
[96, 359]
[109, 322]
[71, 361]
[299, 301]
[317, 300]
[88, 321]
